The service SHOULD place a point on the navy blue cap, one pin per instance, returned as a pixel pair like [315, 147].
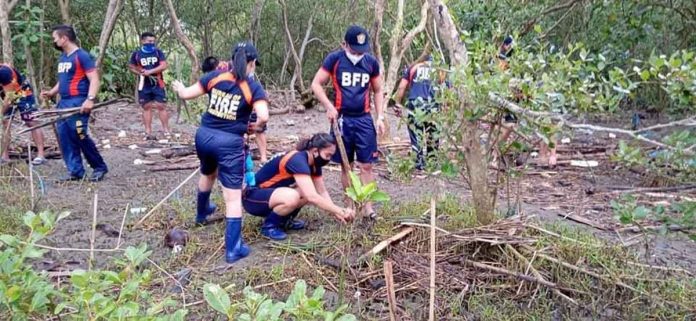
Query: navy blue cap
[251, 52]
[5, 75]
[357, 39]
[508, 40]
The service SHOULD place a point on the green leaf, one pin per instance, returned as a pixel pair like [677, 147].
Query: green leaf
[368, 190]
[60, 307]
[641, 212]
[13, 293]
[9, 240]
[79, 278]
[355, 182]
[217, 298]
[380, 196]
[347, 317]
[645, 75]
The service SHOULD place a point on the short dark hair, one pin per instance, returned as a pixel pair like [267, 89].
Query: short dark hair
[66, 31]
[147, 34]
[209, 64]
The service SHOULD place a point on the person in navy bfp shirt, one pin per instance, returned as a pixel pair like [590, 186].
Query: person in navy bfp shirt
[78, 85]
[220, 139]
[354, 75]
[212, 63]
[288, 182]
[148, 62]
[418, 79]
[12, 83]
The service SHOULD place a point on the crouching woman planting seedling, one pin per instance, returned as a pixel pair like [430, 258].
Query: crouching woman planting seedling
[288, 182]
[220, 139]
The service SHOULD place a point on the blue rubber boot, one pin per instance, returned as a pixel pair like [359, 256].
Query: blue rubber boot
[291, 223]
[272, 227]
[204, 207]
[235, 249]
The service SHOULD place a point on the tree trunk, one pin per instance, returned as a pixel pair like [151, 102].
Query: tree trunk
[256, 21]
[136, 17]
[113, 10]
[190, 49]
[65, 11]
[6, 7]
[297, 73]
[31, 74]
[483, 193]
[207, 39]
[376, 31]
[399, 44]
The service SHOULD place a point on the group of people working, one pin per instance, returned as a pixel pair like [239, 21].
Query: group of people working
[238, 106]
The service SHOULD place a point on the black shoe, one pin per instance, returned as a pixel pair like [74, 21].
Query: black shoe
[70, 178]
[98, 176]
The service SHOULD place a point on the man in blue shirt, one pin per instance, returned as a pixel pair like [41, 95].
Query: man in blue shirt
[354, 75]
[418, 79]
[148, 63]
[78, 85]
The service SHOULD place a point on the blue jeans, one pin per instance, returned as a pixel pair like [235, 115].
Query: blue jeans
[73, 135]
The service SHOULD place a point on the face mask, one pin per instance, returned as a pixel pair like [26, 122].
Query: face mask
[57, 47]
[354, 58]
[319, 161]
[252, 75]
[148, 48]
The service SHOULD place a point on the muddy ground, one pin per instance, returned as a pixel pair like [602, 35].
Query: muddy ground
[545, 193]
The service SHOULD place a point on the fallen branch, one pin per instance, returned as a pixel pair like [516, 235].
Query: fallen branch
[384, 244]
[626, 189]
[583, 220]
[688, 122]
[176, 167]
[538, 275]
[523, 277]
[69, 114]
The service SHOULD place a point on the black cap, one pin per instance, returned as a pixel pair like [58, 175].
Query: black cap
[251, 52]
[357, 39]
[508, 40]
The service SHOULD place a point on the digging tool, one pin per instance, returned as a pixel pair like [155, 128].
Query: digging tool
[344, 155]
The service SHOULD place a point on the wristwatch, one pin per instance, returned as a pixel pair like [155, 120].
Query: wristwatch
[91, 98]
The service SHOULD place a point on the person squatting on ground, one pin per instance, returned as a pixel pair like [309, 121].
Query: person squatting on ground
[17, 97]
[148, 63]
[290, 181]
[212, 63]
[78, 85]
[418, 79]
[354, 74]
[220, 138]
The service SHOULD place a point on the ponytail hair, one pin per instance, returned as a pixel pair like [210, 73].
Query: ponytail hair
[319, 141]
[239, 61]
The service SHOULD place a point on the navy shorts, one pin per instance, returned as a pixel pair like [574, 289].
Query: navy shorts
[24, 107]
[359, 137]
[256, 201]
[152, 93]
[252, 119]
[221, 151]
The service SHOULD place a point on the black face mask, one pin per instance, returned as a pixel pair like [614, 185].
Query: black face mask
[57, 47]
[319, 161]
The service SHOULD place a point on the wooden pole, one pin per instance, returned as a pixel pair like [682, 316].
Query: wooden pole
[391, 295]
[432, 259]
